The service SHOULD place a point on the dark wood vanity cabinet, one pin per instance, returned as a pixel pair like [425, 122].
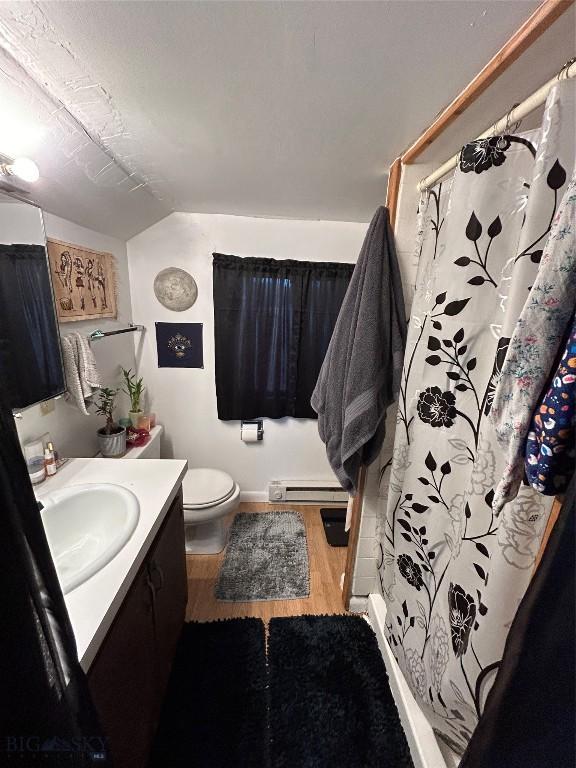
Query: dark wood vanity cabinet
[129, 675]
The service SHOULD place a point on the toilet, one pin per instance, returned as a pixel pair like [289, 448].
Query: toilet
[209, 496]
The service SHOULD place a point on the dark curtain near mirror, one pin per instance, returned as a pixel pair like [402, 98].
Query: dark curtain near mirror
[273, 320]
[46, 713]
[30, 362]
[528, 720]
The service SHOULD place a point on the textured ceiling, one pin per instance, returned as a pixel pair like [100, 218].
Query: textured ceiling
[290, 109]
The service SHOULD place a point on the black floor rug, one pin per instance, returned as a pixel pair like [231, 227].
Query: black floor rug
[215, 713]
[334, 522]
[322, 702]
[330, 702]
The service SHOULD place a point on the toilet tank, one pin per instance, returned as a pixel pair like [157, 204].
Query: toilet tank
[152, 448]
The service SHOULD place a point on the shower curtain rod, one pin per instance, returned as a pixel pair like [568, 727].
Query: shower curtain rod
[517, 113]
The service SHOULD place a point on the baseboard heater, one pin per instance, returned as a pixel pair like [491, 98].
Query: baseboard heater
[307, 492]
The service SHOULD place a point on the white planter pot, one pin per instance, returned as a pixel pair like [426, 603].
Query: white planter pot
[113, 445]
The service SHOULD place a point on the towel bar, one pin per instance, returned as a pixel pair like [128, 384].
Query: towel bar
[98, 334]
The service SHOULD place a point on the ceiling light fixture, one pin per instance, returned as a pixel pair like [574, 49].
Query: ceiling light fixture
[22, 167]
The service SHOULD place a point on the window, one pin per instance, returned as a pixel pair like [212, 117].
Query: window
[273, 321]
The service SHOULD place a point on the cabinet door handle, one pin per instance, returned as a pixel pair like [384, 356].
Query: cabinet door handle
[156, 576]
[161, 574]
[152, 589]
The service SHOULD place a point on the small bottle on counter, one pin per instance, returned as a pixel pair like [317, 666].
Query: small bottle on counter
[50, 460]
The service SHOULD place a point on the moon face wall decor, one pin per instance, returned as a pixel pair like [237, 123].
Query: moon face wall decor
[175, 289]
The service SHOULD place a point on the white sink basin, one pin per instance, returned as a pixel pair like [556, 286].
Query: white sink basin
[86, 527]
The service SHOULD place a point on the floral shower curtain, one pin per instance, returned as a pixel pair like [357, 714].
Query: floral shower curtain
[453, 569]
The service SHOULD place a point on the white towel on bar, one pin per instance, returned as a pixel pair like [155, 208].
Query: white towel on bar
[82, 377]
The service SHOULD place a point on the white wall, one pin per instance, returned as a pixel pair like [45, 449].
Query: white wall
[185, 399]
[73, 433]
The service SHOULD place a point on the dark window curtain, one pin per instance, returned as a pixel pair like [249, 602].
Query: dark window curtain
[46, 714]
[30, 362]
[273, 320]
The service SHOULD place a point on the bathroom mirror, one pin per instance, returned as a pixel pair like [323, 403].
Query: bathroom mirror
[30, 357]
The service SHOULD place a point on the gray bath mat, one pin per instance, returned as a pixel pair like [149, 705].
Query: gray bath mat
[266, 558]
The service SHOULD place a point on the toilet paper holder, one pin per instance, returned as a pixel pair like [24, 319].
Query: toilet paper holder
[260, 425]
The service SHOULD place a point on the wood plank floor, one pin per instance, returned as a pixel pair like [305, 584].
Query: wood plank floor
[326, 567]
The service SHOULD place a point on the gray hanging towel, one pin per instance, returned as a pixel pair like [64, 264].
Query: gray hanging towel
[360, 376]
[82, 377]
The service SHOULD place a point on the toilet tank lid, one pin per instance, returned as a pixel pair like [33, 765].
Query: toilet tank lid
[202, 486]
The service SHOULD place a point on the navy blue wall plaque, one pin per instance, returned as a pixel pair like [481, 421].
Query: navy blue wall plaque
[179, 345]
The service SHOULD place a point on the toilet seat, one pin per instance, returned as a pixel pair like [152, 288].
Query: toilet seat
[203, 487]
[212, 512]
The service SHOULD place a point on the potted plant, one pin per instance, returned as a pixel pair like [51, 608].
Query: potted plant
[134, 388]
[111, 437]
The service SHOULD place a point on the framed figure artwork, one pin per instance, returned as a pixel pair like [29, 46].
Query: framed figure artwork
[83, 280]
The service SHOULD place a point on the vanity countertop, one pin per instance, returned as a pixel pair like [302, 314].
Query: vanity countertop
[93, 605]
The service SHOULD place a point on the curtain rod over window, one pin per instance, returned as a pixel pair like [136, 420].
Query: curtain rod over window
[537, 99]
